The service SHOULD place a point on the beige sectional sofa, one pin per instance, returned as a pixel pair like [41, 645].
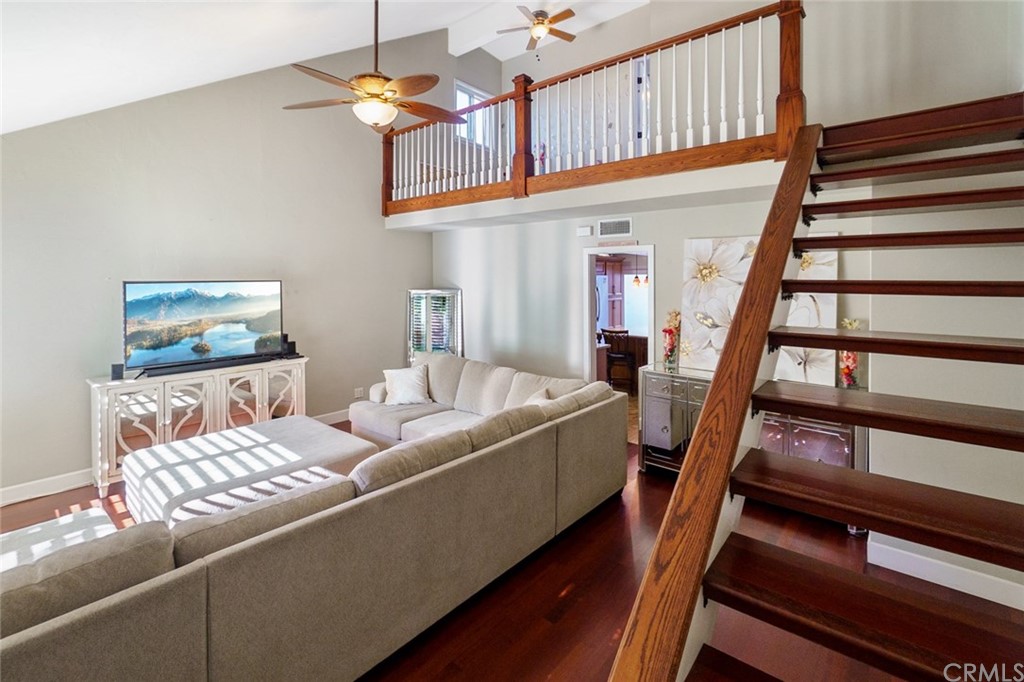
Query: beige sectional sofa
[325, 582]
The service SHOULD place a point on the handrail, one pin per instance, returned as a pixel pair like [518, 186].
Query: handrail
[652, 642]
[725, 24]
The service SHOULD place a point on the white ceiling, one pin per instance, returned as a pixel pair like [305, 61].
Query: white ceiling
[64, 59]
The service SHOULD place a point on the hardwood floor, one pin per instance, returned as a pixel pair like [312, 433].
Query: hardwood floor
[558, 614]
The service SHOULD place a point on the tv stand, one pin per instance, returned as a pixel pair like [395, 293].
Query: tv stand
[132, 414]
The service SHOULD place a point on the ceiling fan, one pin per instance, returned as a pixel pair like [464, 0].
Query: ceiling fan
[379, 97]
[541, 25]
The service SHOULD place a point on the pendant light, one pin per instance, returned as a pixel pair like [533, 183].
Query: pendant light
[636, 275]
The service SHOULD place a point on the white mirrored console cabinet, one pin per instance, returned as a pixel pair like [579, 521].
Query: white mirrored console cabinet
[132, 414]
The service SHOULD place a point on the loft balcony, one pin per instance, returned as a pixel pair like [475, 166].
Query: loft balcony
[721, 95]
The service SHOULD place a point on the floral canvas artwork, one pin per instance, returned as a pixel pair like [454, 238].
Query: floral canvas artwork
[714, 271]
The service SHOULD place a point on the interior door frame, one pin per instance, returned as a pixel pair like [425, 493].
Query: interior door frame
[589, 301]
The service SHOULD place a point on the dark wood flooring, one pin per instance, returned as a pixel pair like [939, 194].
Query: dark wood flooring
[559, 614]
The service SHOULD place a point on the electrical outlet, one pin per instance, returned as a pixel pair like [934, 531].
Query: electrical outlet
[358, 393]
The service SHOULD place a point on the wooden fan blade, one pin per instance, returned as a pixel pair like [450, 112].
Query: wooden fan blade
[561, 16]
[527, 13]
[328, 78]
[567, 37]
[532, 45]
[320, 103]
[515, 30]
[430, 112]
[407, 86]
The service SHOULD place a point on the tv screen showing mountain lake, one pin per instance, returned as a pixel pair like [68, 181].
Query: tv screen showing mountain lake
[167, 323]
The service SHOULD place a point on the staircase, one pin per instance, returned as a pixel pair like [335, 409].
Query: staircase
[901, 632]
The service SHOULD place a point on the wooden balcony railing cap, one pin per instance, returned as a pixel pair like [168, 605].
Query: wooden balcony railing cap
[725, 24]
[653, 639]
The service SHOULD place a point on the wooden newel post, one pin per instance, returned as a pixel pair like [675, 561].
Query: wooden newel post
[522, 159]
[388, 175]
[791, 105]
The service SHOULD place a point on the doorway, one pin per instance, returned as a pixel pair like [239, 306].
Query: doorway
[619, 310]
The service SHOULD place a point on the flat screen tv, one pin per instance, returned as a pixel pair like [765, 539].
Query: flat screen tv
[184, 323]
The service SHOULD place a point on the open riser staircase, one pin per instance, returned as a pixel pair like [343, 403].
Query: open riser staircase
[902, 632]
[910, 635]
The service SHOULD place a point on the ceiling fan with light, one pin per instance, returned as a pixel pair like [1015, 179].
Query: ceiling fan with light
[541, 25]
[378, 98]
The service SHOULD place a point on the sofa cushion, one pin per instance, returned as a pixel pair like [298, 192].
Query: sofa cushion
[28, 545]
[442, 422]
[79, 575]
[483, 387]
[525, 385]
[592, 394]
[503, 425]
[559, 407]
[408, 459]
[406, 386]
[443, 375]
[204, 535]
[387, 420]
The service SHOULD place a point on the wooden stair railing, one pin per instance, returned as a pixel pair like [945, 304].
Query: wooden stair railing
[652, 643]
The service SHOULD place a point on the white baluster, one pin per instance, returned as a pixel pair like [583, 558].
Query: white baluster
[547, 131]
[604, 117]
[723, 127]
[568, 125]
[421, 175]
[558, 127]
[689, 94]
[579, 138]
[478, 146]
[394, 170]
[631, 150]
[593, 120]
[434, 164]
[501, 144]
[453, 173]
[759, 121]
[618, 116]
[489, 147]
[657, 139]
[674, 137]
[741, 122]
[707, 103]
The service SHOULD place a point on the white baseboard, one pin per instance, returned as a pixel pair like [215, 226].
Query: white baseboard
[45, 486]
[333, 417]
[946, 574]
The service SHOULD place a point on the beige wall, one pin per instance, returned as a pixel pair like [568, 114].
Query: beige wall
[215, 182]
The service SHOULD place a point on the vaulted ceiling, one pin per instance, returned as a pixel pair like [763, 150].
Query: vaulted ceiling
[64, 59]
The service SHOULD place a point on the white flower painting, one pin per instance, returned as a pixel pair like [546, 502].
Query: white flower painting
[714, 271]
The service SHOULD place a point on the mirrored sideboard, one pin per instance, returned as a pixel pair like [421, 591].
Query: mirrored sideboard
[132, 414]
[671, 400]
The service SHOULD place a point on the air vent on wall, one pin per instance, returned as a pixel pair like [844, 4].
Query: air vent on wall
[619, 227]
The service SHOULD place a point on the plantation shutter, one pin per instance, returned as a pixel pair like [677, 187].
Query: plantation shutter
[435, 321]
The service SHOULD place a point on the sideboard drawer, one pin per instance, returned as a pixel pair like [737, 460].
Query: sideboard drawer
[664, 387]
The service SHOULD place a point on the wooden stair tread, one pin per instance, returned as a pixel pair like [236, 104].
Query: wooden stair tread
[933, 139]
[903, 287]
[981, 527]
[905, 633]
[916, 203]
[910, 240]
[975, 111]
[990, 426]
[713, 665]
[932, 169]
[975, 348]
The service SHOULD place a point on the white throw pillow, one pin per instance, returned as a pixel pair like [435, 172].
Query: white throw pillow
[406, 386]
